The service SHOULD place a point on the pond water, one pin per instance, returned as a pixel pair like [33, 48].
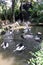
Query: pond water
[8, 57]
[36, 29]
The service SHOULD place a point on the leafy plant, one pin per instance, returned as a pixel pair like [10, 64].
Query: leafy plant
[38, 60]
[36, 13]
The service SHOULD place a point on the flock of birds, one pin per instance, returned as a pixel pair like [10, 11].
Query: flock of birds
[20, 47]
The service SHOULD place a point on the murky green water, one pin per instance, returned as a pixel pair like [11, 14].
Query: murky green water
[36, 29]
[20, 57]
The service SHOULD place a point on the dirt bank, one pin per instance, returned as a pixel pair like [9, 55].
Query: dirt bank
[8, 61]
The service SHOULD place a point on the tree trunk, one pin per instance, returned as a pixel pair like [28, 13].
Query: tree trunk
[13, 15]
[21, 11]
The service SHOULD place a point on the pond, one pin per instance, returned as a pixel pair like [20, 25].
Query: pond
[8, 57]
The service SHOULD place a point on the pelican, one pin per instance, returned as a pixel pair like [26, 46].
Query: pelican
[11, 31]
[39, 33]
[19, 47]
[4, 45]
[25, 30]
[27, 36]
[37, 38]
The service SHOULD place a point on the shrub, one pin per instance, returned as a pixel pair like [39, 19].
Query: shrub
[38, 60]
[36, 13]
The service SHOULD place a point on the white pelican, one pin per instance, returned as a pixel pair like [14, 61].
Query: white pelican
[19, 47]
[11, 31]
[27, 36]
[39, 33]
[37, 38]
[4, 45]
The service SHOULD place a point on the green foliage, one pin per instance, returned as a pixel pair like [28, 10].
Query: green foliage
[6, 13]
[36, 13]
[3, 10]
[38, 60]
[9, 14]
[17, 8]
